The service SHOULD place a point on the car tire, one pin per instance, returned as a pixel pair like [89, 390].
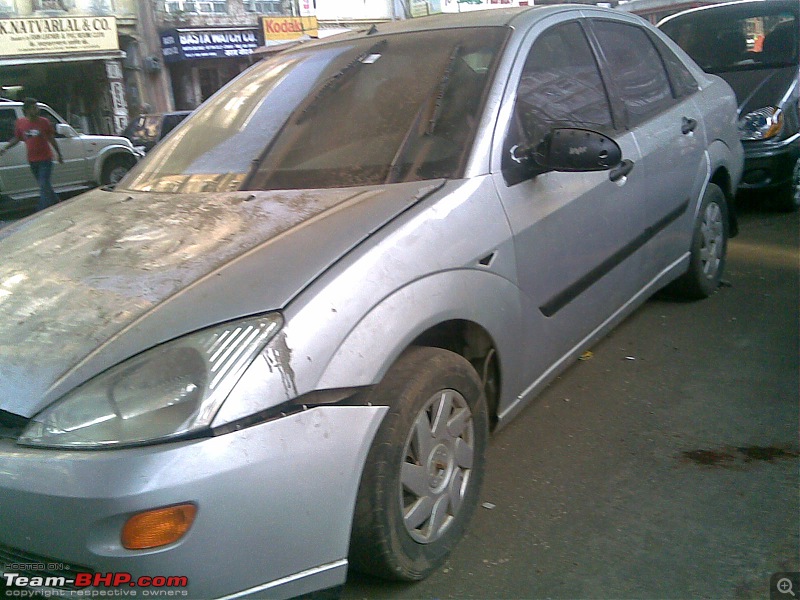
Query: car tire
[788, 196]
[115, 168]
[709, 248]
[421, 481]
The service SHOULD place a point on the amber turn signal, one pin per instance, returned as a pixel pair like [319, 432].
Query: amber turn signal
[158, 527]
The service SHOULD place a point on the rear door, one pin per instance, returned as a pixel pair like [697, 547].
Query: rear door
[656, 100]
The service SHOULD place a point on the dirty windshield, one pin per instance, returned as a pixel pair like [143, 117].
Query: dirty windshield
[368, 110]
[742, 37]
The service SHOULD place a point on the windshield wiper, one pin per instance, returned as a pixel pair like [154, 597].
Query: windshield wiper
[444, 81]
[336, 80]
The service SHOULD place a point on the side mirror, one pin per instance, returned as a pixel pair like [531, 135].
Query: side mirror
[579, 150]
[64, 130]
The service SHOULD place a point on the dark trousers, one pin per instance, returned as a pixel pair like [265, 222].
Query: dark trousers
[42, 171]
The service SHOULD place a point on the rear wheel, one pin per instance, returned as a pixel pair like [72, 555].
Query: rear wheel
[115, 168]
[423, 473]
[709, 248]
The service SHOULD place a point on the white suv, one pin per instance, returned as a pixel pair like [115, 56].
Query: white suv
[89, 160]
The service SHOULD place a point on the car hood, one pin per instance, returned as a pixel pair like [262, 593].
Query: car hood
[109, 274]
[758, 88]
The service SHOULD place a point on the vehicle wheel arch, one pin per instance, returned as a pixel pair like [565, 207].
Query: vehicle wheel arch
[721, 172]
[722, 179]
[487, 339]
[111, 154]
[474, 343]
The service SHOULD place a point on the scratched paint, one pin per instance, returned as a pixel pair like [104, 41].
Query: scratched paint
[279, 358]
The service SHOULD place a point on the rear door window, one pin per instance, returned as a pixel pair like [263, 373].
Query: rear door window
[635, 69]
[7, 119]
[683, 82]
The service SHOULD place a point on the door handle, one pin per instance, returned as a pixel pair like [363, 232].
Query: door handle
[688, 125]
[621, 170]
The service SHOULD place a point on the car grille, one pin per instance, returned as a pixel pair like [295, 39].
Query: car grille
[33, 565]
[11, 425]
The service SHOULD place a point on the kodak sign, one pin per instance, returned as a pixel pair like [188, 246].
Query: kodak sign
[289, 28]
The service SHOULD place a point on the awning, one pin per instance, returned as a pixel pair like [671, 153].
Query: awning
[40, 59]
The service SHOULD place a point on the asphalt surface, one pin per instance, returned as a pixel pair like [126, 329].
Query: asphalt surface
[663, 466]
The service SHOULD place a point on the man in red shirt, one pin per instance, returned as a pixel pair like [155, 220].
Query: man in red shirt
[38, 134]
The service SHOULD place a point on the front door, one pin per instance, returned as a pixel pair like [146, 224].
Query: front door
[575, 233]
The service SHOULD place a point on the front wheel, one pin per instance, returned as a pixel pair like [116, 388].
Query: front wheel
[709, 248]
[115, 169]
[423, 473]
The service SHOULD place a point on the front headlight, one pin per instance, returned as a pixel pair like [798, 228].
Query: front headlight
[761, 124]
[171, 390]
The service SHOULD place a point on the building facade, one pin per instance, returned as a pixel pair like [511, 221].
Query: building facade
[70, 54]
[203, 45]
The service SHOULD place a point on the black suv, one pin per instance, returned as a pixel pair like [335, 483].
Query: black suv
[146, 130]
[753, 45]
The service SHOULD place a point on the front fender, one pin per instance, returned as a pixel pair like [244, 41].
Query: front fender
[364, 355]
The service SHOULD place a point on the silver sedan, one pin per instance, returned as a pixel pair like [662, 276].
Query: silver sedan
[276, 350]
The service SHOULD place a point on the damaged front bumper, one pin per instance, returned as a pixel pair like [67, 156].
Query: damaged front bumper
[274, 505]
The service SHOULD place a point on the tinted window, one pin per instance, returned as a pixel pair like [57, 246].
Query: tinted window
[683, 82]
[635, 67]
[7, 119]
[367, 110]
[740, 37]
[170, 122]
[560, 86]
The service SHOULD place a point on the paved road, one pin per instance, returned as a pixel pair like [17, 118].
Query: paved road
[663, 467]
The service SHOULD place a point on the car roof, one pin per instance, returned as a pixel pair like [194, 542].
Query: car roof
[769, 6]
[7, 101]
[514, 17]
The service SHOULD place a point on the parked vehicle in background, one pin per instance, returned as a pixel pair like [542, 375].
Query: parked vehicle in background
[89, 160]
[753, 45]
[276, 349]
[146, 130]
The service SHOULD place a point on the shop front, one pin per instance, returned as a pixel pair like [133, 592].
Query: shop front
[71, 63]
[202, 60]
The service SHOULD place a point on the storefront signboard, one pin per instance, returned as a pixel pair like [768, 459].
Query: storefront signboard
[185, 44]
[289, 28]
[57, 35]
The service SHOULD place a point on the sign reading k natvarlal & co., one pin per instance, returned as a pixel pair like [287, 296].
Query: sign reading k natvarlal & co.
[56, 35]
